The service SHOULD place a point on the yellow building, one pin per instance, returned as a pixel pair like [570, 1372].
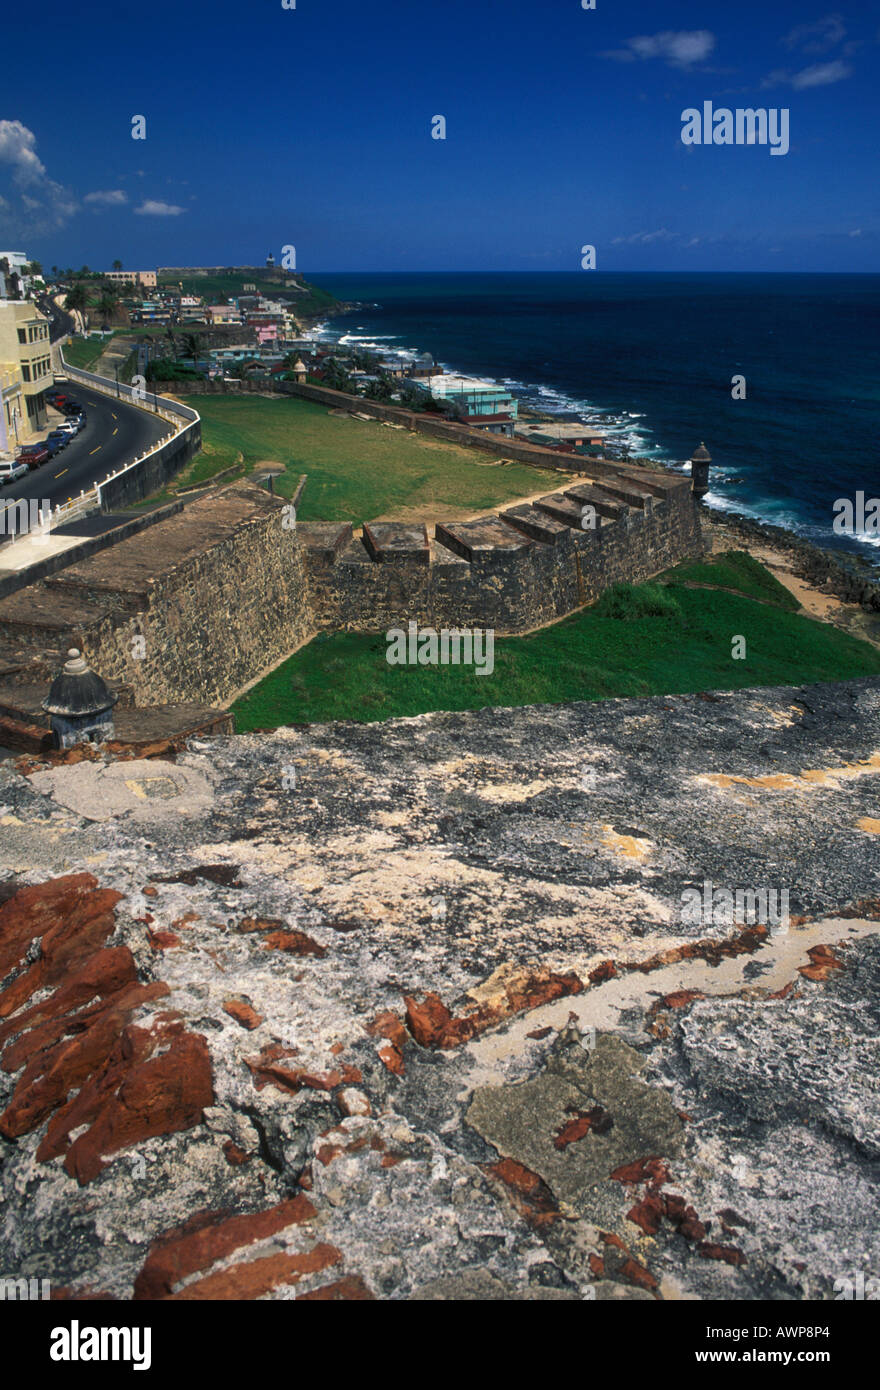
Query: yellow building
[147, 278]
[13, 411]
[24, 340]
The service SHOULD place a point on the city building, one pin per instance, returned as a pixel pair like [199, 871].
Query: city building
[148, 311]
[146, 278]
[17, 261]
[15, 280]
[13, 411]
[191, 309]
[24, 340]
[223, 313]
[474, 398]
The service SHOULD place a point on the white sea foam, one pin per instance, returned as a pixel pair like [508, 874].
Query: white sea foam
[864, 538]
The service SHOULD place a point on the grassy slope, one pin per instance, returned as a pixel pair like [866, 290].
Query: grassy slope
[637, 640]
[736, 570]
[84, 352]
[357, 469]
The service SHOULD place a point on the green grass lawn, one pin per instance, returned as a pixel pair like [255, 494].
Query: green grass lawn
[358, 470]
[650, 639]
[736, 569]
[84, 352]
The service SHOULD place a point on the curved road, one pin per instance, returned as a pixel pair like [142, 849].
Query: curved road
[115, 433]
[60, 323]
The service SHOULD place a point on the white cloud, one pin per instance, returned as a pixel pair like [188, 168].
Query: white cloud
[39, 205]
[150, 207]
[817, 37]
[661, 234]
[109, 197]
[644, 238]
[821, 74]
[18, 148]
[680, 47]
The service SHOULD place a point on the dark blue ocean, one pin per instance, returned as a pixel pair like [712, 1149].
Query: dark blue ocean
[651, 357]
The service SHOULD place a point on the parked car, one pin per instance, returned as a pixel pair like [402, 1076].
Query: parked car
[60, 437]
[69, 428]
[11, 472]
[54, 443]
[71, 408]
[33, 455]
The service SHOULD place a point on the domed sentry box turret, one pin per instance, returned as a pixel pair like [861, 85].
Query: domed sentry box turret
[79, 704]
[700, 460]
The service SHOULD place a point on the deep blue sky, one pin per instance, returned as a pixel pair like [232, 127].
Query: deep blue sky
[312, 127]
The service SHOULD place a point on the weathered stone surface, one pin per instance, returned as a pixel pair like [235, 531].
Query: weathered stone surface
[89, 1069]
[697, 1119]
[530, 1123]
[208, 1237]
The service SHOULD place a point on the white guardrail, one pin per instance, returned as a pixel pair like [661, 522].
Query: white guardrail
[183, 417]
[21, 518]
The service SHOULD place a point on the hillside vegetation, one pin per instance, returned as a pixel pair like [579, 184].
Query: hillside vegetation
[307, 301]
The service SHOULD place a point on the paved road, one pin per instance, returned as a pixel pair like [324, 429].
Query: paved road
[60, 323]
[114, 434]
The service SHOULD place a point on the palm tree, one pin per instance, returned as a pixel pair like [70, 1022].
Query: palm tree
[77, 302]
[117, 265]
[107, 305]
[193, 344]
[243, 369]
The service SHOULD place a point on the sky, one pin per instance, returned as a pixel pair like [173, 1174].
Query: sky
[311, 127]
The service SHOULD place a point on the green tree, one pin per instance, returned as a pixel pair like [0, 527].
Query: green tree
[243, 369]
[336, 377]
[193, 345]
[117, 265]
[77, 301]
[379, 390]
[107, 305]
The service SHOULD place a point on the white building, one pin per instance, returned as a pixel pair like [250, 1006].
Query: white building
[18, 264]
[18, 261]
[473, 396]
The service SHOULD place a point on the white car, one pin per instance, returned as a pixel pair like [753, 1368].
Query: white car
[11, 472]
[68, 427]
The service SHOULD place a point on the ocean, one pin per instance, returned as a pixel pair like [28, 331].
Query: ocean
[651, 357]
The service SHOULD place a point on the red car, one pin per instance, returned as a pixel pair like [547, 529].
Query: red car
[33, 455]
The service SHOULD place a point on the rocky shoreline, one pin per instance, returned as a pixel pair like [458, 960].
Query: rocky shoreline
[847, 577]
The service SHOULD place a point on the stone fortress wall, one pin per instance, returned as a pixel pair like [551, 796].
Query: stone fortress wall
[207, 600]
[513, 572]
